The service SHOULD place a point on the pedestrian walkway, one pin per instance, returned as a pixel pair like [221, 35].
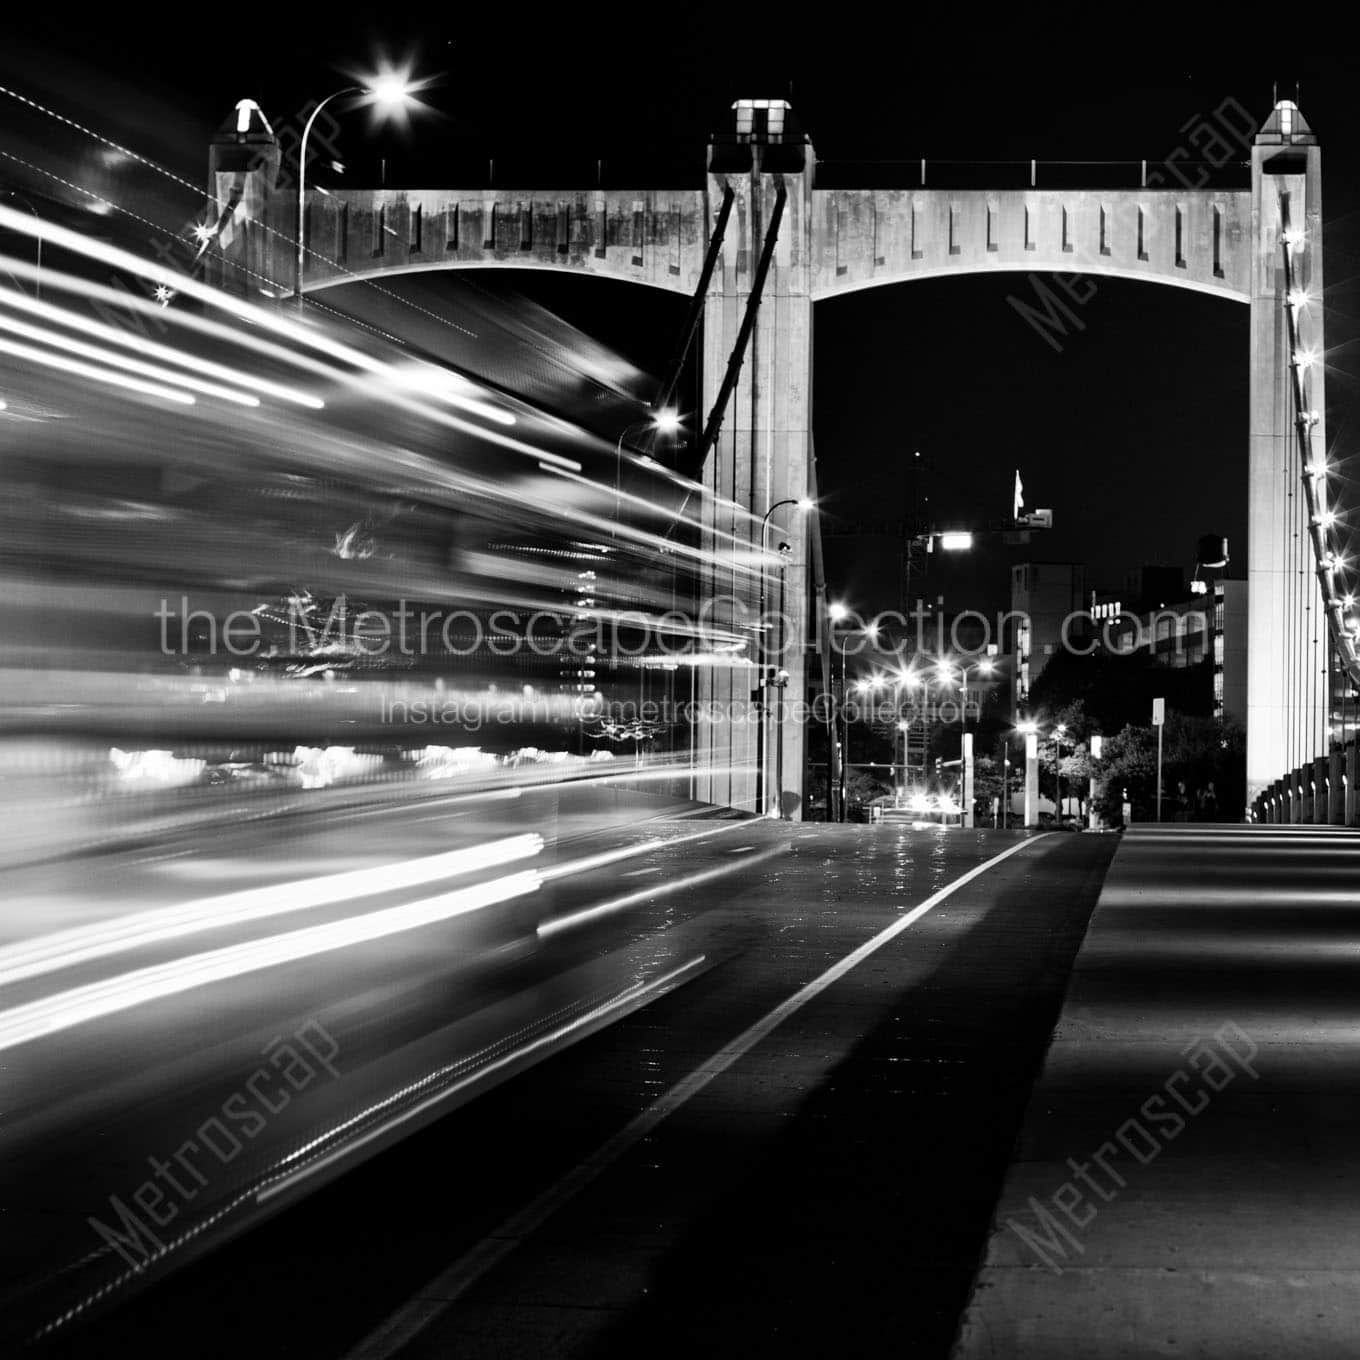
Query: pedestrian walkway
[1187, 1178]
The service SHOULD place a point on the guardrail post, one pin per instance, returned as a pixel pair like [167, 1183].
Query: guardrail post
[1321, 793]
[1294, 780]
[1336, 789]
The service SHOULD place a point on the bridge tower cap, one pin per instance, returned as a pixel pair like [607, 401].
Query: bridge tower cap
[1286, 124]
[246, 123]
[765, 120]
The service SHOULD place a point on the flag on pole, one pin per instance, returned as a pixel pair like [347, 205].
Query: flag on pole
[1019, 495]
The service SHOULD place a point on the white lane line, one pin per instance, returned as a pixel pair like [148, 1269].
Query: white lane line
[81, 944]
[630, 998]
[397, 1332]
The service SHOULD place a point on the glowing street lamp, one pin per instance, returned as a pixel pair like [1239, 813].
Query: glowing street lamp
[666, 421]
[389, 92]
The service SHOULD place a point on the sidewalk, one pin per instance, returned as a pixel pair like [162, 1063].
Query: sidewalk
[1187, 1178]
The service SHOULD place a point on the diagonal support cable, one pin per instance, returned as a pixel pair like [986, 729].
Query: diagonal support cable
[1326, 554]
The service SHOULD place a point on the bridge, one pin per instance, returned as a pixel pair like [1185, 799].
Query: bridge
[521, 1052]
[761, 244]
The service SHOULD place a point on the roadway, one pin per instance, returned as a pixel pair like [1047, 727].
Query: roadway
[738, 1081]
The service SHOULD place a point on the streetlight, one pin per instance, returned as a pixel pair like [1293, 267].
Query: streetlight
[803, 503]
[983, 666]
[838, 613]
[665, 421]
[389, 92]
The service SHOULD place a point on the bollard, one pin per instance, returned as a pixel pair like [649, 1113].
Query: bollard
[1321, 793]
[1336, 788]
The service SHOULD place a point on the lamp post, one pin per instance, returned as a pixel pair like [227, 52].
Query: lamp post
[665, 421]
[837, 613]
[37, 238]
[908, 679]
[984, 666]
[388, 92]
[803, 503]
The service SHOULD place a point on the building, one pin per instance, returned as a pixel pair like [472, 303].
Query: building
[1184, 633]
[1047, 604]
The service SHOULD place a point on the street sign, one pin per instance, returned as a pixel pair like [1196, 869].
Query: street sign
[1159, 721]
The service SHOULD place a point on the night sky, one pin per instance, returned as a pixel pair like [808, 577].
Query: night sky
[1135, 434]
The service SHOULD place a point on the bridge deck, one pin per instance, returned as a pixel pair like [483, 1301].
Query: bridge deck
[1184, 1182]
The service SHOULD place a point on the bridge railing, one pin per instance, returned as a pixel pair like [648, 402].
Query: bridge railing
[930, 173]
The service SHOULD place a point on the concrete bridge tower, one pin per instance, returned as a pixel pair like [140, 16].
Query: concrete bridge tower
[1288, 678]
[762, 450]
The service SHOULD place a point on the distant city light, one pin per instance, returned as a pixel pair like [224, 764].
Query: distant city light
[837, 611]
[959, 541]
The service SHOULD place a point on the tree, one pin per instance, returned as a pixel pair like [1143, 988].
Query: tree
[1128, 773]
[1202, 753]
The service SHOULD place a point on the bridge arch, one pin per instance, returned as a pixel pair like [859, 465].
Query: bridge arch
[465, 266]
[789, 244]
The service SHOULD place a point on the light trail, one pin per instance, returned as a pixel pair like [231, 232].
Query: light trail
[80, 1005]
[623, 852]
[85, 944]
[629, 999]
[167, 353]
[557, 924]
[272, 322]
[76, 368]
[58, 341]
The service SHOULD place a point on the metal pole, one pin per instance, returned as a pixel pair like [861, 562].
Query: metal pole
[1159, 772]
[302, 190]
[778, 716]
[845, 745]
[37, 239]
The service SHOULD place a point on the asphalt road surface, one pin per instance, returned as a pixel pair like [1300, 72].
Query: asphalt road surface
[559, 1073]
